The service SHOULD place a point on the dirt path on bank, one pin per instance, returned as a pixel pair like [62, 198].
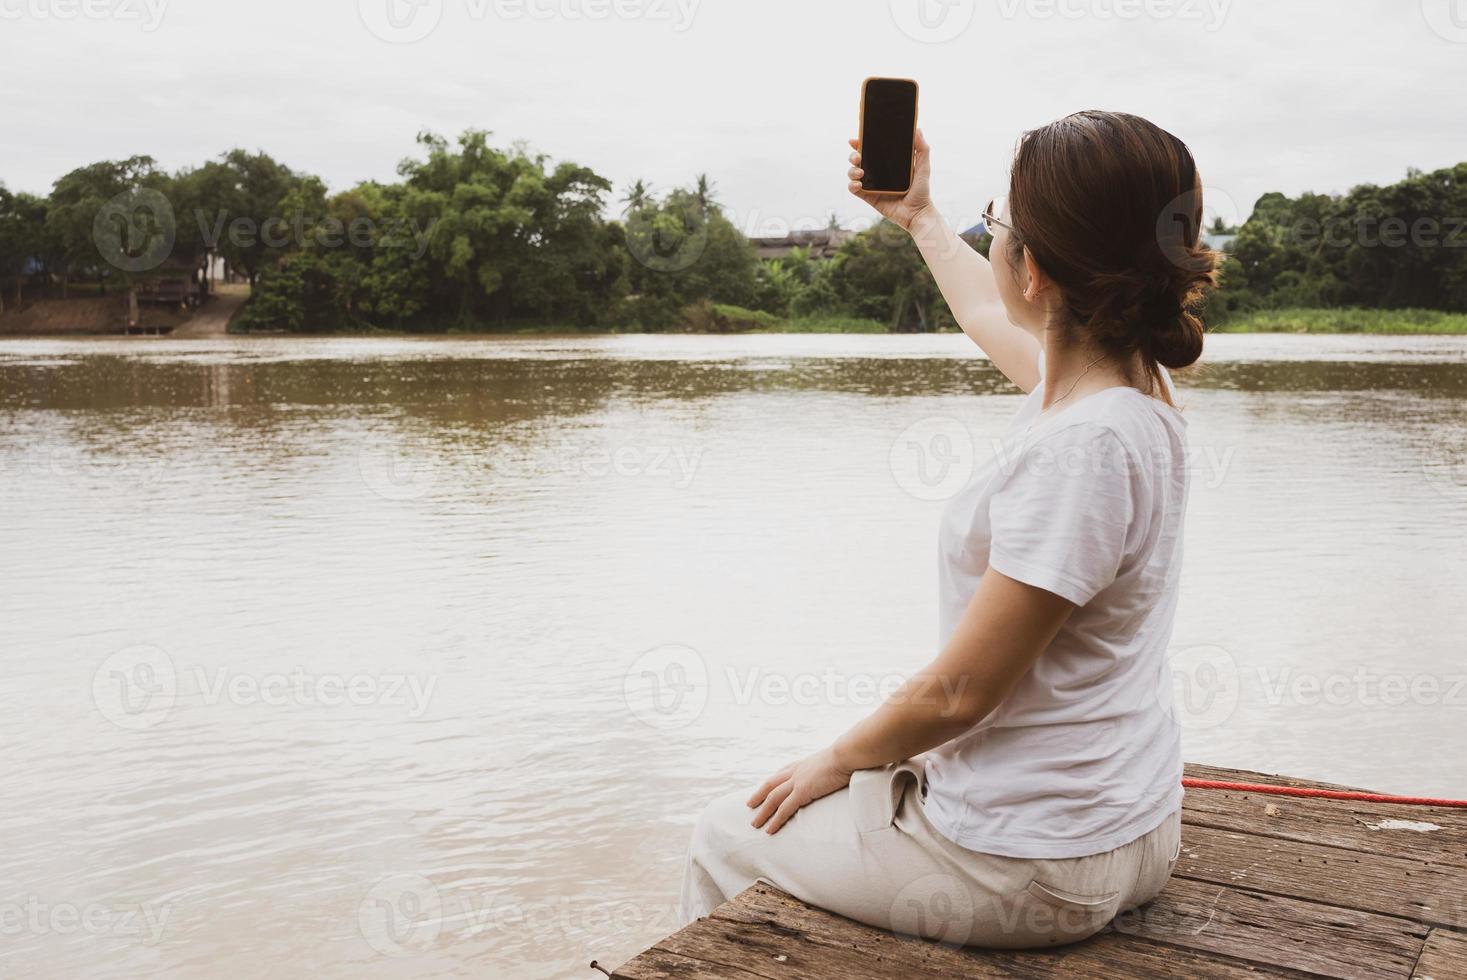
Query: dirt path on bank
[213, 319]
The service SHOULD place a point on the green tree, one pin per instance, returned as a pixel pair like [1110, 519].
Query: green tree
[24, 239]
[880, 274]
[684, 251]
[638, 195]
[472, 235]
[243, 216]
[92, 212]
[703, 192]
[1404, 245]
[510, 239]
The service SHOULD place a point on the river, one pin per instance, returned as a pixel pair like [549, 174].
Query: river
[417, 657]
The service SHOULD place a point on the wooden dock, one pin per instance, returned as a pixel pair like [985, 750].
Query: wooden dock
[1266, 886]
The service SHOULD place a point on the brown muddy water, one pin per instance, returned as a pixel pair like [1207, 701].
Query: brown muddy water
[417, 657]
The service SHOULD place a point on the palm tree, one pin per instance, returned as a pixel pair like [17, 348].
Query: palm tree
[703, 191]
[639, 195]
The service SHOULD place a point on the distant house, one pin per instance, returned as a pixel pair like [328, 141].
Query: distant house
[177, 281]
[217, 270]
[823, 243]
[1214, 241]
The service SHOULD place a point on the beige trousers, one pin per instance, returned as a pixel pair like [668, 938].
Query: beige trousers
[869, 853]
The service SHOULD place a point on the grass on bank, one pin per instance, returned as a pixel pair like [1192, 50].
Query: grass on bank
[827, 324]
[1349, 320]
[721, 318]
[702, 318]
[1298, 320]
[726, 318]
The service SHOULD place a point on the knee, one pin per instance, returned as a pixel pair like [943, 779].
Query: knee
[712, 872]
[722, 821]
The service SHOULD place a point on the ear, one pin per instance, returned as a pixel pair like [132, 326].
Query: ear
[1039, 280]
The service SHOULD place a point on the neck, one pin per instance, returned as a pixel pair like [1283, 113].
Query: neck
[1072, 371]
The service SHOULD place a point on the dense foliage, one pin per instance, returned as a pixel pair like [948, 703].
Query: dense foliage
[473, 236]
[1394, 247]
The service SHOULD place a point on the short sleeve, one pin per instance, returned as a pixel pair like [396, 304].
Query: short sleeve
[1063, 513]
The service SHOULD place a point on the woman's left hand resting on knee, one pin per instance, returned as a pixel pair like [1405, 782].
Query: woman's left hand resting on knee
[1005, 628]
[799, 783]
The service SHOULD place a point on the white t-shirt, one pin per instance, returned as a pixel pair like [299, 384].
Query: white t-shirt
[1084, 755]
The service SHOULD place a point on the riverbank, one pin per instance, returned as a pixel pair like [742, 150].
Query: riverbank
[724, 319]
[214, 317]
[1313, 320]
[1298, 320]
[107, 315]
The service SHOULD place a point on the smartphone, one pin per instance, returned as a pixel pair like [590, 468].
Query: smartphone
[888, 134]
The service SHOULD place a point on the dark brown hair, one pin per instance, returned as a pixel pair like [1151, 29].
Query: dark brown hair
[1110, 206]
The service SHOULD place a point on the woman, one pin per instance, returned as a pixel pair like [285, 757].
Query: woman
[1049, 796]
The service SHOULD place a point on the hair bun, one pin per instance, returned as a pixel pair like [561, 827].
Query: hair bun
[1172, 334]
[1146, 312]
[1174, 343]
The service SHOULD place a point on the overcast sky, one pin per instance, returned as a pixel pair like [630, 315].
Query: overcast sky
[1285, 95]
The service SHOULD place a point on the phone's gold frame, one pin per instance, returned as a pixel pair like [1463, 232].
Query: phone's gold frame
[861, 123]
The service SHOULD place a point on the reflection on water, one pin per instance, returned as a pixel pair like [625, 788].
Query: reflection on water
[417, 657]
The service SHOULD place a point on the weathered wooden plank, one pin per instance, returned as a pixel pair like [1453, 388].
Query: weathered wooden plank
[1274, 930]
[1375, 828]
[1112, 955]
[1443, 958]
[830, 938]
[785, 951]
[1426, 892]
[815, 940]
[659, 964]
[1197, 770]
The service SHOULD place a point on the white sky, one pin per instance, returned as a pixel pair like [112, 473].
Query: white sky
[1286, 95]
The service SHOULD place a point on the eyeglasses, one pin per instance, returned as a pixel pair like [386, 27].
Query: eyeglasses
[990, 215]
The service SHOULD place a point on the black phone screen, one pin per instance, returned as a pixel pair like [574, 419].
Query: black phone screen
[888, 121]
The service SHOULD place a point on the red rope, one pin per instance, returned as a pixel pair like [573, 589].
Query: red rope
[1328, 794]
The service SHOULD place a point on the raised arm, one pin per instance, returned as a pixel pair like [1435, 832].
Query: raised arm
[962, 274]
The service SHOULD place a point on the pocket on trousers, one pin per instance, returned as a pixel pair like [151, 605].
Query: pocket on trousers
[877, 793]
[1176, 854]
[1062, 916]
